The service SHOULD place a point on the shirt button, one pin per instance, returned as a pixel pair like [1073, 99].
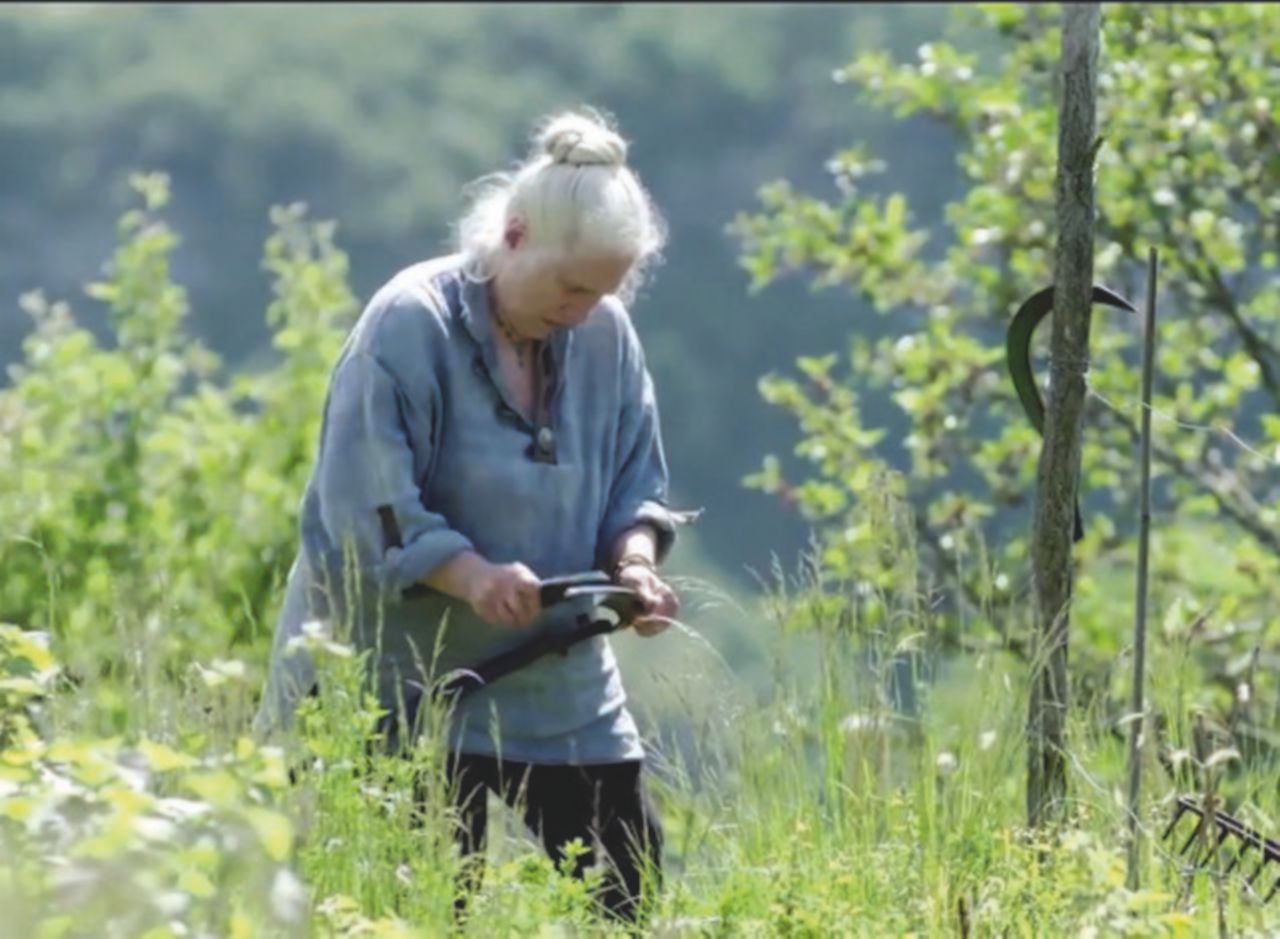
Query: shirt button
[546, 439]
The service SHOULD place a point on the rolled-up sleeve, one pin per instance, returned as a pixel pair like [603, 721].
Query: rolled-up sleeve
[370, 504]
[638, 494]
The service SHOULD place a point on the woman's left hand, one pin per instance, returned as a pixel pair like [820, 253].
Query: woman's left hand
[661, 605]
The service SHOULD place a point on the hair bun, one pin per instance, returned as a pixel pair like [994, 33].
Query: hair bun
[581, 140]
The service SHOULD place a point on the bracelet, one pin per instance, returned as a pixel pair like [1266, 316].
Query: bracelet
[629, 559]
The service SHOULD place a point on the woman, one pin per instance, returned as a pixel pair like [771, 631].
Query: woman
[490, 422]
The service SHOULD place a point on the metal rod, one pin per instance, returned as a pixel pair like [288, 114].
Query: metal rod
[1140, 618]
[1257, 870]
[1223, 832]
[1177, 816]
[1195, 834]
[1239, 854]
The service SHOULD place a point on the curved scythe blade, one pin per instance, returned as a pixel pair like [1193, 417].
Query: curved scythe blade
[1018, 354]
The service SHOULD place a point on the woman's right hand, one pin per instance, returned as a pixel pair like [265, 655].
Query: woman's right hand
[505, 594]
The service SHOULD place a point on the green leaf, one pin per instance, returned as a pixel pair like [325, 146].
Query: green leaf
[274, 830]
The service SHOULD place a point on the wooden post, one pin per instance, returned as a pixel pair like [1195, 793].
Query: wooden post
[1059, 468]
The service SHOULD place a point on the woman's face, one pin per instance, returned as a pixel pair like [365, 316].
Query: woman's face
[538, 294]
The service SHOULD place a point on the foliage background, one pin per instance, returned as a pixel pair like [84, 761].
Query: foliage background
[857, 233]
[377, 116]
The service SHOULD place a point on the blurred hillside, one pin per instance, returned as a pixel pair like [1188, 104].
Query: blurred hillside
[377, 115]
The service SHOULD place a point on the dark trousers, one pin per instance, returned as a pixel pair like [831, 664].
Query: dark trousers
[606, 805]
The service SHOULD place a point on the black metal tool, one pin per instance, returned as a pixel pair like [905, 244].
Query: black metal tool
[1018, 355]
[622, 603]
[1226, 828]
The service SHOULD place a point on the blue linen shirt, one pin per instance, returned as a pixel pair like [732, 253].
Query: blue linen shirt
[422, 455]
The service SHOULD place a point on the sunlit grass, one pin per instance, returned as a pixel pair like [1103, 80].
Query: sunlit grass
[820, 803]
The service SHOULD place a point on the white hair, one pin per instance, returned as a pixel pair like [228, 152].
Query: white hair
[573, 192]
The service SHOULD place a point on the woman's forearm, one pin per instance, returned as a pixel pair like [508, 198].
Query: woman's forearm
[458, 576]
[501, 594]
[637, 541]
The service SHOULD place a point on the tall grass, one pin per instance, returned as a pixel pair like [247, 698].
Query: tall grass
[872, 786]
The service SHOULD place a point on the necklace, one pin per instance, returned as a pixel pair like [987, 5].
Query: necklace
[520, 343]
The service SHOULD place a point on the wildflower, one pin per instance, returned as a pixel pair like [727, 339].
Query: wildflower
[315, 637]
[288, 897]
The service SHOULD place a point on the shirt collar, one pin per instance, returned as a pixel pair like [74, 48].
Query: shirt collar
[476, 315]
[473, 308]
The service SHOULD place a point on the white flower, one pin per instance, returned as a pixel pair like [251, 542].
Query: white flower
[221, 671]
[316, 638]
[855, 723]
[288, 897]
[182, 809]
[172, 903]
[154, 829]
[946, 763]
[232, 668]
[986, 740]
